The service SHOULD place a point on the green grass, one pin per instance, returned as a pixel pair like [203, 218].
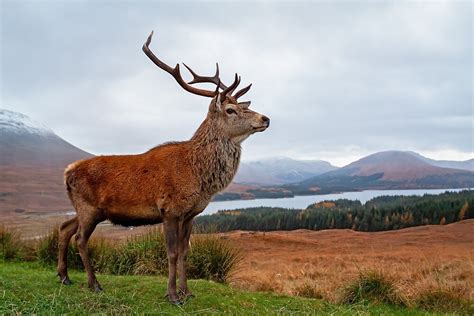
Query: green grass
[29, 288]
[372, 286]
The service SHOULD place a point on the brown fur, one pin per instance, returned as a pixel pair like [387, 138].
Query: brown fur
[169, 184]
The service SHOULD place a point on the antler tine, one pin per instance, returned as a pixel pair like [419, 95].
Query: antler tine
[242, 91]
[200, 79]
[217, 86]
[174, 71]
[231, 87]
[232, 90]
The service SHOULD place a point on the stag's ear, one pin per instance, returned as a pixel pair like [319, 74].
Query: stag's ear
[245, 104]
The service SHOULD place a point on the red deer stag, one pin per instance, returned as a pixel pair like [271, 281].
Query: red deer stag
[169, 184]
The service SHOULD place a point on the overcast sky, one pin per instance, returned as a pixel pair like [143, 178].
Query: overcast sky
[339, 80]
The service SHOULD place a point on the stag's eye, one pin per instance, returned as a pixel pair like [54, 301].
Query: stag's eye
[231, 111]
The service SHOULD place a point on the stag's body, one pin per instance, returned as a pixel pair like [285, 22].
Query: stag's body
[169, 184]
[175, 179]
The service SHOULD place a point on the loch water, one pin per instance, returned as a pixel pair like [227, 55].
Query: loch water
[305, 200]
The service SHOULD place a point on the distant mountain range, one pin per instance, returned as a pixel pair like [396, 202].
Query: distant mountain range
[387, 170]
[33, 157]
[280, 171]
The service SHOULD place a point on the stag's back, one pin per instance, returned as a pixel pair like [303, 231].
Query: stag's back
[109, 182]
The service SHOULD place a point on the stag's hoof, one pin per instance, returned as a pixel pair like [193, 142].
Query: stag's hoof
[64, 280]
[176, 302]
[96, 288]
[173, 299]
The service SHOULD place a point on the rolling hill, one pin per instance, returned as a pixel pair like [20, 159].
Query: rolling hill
[385, 170]
[280, 171]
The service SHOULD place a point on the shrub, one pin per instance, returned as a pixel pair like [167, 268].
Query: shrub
[212, 257]
[371, 286]
[446, 300]
[10, 244]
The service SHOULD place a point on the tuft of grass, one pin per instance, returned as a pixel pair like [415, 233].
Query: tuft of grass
[10, 244]
[307, 289]
[210, 256]
[266, 284]
[213, 258]
[47, 250]
[372, 286]
[144, 254]
[47, 247]
[443, 299]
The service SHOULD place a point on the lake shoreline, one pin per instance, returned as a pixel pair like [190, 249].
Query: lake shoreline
[302, 201]
[335, 192]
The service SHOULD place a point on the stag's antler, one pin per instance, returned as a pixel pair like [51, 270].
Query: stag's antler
[175, 72]
[201, 79]
[217, 81]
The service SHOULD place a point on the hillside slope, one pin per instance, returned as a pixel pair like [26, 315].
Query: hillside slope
[32, 161]
[464, 165]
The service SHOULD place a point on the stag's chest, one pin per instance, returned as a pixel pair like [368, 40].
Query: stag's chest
[221, 169]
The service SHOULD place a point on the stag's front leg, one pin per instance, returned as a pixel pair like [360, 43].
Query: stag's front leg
[185, 233]
[171, 228]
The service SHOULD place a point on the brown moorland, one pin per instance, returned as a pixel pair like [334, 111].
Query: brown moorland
[417, 259]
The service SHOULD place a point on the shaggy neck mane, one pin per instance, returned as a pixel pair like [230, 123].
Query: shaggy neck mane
[214, 158]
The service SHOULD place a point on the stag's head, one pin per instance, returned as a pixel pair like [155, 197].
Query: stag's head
[232, 118]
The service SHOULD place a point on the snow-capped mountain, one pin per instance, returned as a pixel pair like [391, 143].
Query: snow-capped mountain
[17, 123]
[32, 161]
[24, 141]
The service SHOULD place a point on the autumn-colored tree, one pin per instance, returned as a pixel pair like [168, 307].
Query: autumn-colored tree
[442, 221]
[463, 212]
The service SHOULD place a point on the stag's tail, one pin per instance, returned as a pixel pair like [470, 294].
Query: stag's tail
[68, 179]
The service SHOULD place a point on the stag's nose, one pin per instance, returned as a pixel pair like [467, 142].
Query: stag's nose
[266, 120]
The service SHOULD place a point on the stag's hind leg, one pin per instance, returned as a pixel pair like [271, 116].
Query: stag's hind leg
[66, 231]
[88, 217]
[82, 237]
